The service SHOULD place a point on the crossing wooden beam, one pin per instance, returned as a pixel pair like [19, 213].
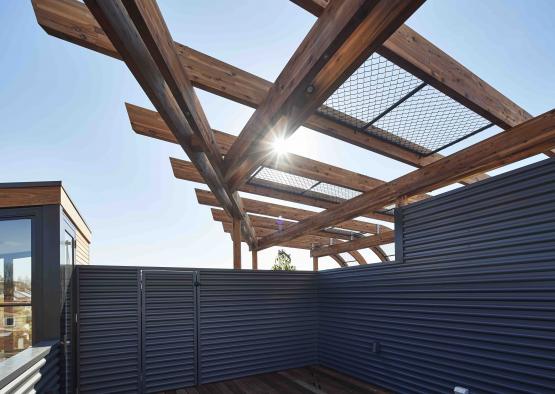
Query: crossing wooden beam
[70, 20]
[527, 139]
[412, 52]
[185, 170]
[205, 197]
[138, 32]
[345, 34]
[149, 123]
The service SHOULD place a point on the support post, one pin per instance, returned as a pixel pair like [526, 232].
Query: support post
[236, 236]
[315, 263]
[254, 260]
[399, 248]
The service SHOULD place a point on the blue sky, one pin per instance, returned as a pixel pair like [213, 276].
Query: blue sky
[63, 116]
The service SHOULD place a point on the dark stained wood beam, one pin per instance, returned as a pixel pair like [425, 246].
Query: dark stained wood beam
[420, 57]
[527, 139]
[204, 197]
[150, 124]
[185, 170]
[141, 37]
[315, 264]
[345, 34]
[254, 259]
[70, 20]
[359, 243]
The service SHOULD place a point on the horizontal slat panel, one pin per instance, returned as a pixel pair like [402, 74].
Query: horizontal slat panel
[256, 321]
[168, 322]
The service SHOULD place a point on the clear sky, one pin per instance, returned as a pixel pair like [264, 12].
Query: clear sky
[63, 116]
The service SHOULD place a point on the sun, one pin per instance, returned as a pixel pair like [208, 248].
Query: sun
[280, 146]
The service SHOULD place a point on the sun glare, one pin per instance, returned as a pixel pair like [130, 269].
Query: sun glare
[280, 146]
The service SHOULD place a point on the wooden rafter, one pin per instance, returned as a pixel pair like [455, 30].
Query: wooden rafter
[185, 170]
[275, 224]
[378, 251]
[359, 243]
[339, 260]
[141, 37]
[527, 139]
[150, 123]
[70, 20]
[205, 197]
[358, 257]
[344, 35]
[411, 51]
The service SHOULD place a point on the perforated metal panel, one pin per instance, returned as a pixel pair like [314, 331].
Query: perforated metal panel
[256, 321]
[169, 331]
[109, 329]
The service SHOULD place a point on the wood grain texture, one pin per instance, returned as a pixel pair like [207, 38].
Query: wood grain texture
[525, 140]
[344, 35]
[70, 20]
[150, 124]
[357, 256]
[411, 51]
[205, 197]
[142, 39]
[185, 170]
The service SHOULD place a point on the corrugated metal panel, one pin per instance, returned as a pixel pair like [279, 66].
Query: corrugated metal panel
[108, 329]
[168, 322]
[506, 216]
[256, 321]
[472, 305]
[35, 370]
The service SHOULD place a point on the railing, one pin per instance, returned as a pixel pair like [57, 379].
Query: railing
[36, 369]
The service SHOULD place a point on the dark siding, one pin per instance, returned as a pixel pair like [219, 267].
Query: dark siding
[108, 329]
[168, 322]
[510, 215]
[36, 369]
[473, 303]
[256, 321]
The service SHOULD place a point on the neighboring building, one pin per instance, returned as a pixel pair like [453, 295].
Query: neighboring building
[42, 236]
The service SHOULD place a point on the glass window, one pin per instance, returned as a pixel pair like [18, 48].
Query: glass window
[15, 286]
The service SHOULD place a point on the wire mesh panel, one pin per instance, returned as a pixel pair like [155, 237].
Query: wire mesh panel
[385, 101]
[285, 181]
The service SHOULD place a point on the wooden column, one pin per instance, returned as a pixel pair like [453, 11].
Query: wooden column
[315, 263]
[236, 236]
[254, 260]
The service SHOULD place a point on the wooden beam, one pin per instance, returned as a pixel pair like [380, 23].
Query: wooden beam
[306, 242]
[378, 251]
[339, 260]
[411, 51]
[344, 35]
[70, 20]
[150, 124]
[254, 259]
[314, 263]
[276, 224]
[141, 37]
[358, 257]
[236, 236]
[359, 243]
[204, 197]
[185, 170]
[527, 139]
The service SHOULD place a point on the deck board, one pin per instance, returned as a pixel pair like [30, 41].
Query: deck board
[307, 380]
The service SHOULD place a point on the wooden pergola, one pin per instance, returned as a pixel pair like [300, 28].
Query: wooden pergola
[334, 62]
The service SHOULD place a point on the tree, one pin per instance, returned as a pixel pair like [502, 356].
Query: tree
[283, 262]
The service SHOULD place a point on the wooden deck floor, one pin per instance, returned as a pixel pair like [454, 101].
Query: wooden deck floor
[308, 380]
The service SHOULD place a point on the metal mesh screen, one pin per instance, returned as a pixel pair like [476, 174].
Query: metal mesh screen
[280, 180]
[385, 101]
